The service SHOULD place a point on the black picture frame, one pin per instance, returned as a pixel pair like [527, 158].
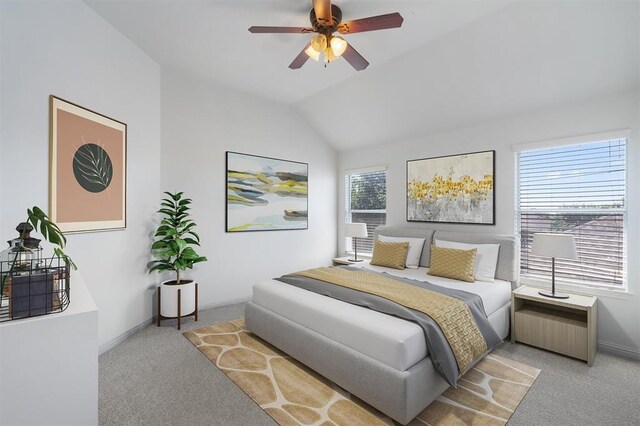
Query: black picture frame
[239, 198]
[432, 211]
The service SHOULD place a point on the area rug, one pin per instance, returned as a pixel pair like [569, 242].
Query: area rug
[293, 394]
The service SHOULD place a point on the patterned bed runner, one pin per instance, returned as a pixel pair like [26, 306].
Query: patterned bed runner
[452, 315]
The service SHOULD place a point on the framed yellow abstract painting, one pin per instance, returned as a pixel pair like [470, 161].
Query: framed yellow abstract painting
[88, 174]
[452, 189]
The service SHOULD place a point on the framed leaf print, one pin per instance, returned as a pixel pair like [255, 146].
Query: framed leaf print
[88, 173]
[452, 189]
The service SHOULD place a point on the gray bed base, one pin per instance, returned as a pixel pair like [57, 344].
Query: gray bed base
[401, 395]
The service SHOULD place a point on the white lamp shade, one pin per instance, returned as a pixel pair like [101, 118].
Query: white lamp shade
[554, 245]
[319, 43]
[338, 45]
[356, 230]
[312, 53]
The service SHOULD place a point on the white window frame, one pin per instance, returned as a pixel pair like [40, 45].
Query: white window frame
[603, 289]
[348, 247]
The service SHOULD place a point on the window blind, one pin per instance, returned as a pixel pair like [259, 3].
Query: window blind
[575, 189]
[366, 202]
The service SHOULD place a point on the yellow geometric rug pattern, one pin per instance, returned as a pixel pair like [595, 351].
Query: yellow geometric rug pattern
[293, 394]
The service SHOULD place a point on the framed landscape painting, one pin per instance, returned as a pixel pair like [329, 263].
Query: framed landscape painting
[452, 189]
[88, 156]
[265, 194]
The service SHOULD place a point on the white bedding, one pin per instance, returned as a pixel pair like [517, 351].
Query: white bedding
[393, 341]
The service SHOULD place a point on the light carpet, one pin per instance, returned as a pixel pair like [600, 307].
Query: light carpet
[293, 394]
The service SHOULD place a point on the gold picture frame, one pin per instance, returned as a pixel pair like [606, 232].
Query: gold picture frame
[87, 168]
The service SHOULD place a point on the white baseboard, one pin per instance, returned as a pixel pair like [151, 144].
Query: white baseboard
[615, 349]
[225, 303]
[124, 336]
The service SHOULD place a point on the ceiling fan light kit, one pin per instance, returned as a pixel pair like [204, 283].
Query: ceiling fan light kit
[332, 50]
[326, 18]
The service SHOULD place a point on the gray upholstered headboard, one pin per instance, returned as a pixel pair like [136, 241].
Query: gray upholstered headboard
[508, 267]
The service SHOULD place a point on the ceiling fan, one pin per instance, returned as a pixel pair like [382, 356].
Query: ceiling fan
[326, 18]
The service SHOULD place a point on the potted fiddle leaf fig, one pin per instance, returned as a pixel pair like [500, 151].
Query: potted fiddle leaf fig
[174, 252]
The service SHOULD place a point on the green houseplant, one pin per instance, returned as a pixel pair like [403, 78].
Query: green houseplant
[50, 231]
[174, 252]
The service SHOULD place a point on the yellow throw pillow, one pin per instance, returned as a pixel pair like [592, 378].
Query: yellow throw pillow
[453, 263]
[391, 255]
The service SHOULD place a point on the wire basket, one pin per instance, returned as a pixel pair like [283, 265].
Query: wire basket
[33, 288]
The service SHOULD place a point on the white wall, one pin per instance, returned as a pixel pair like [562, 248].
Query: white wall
[619, 322]
[200, 123]
[64, 48]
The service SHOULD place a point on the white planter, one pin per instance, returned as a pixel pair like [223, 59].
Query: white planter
[169, 299]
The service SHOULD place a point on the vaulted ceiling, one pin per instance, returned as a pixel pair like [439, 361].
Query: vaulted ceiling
[452, 64]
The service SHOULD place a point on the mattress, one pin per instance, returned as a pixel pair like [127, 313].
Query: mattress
[395, 342]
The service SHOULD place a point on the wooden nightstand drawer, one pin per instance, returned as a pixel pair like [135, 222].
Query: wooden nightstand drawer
[558, 331]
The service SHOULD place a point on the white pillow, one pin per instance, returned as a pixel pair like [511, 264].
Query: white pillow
[486, 258]
[415, 248]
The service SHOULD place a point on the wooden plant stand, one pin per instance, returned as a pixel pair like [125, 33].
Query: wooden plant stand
[180, 316]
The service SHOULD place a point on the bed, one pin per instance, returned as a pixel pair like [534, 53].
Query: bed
[381, 359]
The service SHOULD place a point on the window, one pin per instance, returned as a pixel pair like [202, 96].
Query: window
[578, 189]
[366, 202]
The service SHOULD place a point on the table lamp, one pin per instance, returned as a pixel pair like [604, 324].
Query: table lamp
[355, 231]
[554, 245]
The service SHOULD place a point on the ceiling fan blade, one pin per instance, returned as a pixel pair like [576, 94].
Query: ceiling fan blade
[300, 60]
[323, 11]
[272, 30]
[373, 23]
[354, 58]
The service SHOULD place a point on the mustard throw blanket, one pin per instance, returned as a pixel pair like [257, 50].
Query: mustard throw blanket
[452, 315]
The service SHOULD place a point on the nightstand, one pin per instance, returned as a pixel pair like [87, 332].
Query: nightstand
[337, 261]
[566, 326]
